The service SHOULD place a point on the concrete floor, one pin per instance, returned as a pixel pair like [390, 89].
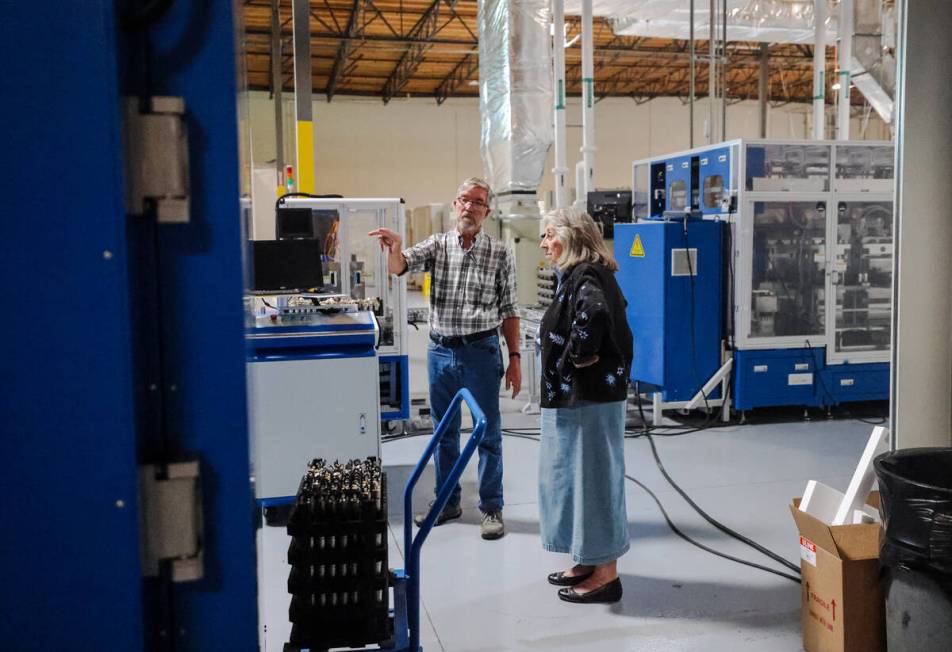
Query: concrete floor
[481, 596]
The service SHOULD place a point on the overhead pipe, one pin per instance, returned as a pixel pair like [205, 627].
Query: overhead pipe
[819, 69]
[558, 61]
[515, 98]
[845, 63]
[588, 110]
[712, 73]
[723, 69]
[763, 88]
[691, 83]
[277, 82]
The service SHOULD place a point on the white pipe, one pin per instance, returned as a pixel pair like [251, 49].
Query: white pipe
[558, 61]
[588, 106]
[581, 200]
[723, 70]
[845, 61]
[691, 83]
[712, 74]
[819, 69]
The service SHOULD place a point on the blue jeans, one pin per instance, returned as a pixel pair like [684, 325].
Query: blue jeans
[477, 367]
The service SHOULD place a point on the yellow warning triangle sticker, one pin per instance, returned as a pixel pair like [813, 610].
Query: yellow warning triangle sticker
[637, 249]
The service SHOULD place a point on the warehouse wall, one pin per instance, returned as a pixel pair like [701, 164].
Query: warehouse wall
[418, 150]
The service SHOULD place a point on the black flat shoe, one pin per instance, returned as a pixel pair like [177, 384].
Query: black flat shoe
[561, 579]
[610, 592]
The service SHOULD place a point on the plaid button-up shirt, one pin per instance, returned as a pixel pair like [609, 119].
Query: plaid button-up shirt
[471, 291]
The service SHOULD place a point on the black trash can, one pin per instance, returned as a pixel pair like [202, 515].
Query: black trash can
[915, 488]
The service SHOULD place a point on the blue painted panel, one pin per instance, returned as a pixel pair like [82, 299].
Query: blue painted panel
[676, 320]
[756, 165]
[857, 382]
[200, 278]
[678, 170]
[642, 282]
[69, 553]
[402, 371]
[276, 501]
[764, 378]
[286, 354]
[714, 163]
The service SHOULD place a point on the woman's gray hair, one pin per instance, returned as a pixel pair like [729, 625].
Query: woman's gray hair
[580, 237]
[476, 182]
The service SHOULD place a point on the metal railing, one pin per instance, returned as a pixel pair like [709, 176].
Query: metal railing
[412, 545]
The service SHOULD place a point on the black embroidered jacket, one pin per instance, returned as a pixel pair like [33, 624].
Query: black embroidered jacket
[586, 318]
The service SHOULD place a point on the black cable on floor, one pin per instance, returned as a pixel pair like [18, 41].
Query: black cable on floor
[674, 528]
[697, 508]
[717, 524]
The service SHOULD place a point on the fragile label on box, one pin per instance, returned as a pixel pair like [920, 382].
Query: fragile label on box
[808, 551]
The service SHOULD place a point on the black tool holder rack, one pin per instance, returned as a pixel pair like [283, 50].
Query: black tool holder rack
[339, 578]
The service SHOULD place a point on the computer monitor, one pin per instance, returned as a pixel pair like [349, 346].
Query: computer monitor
[608, 207]
[286, 265]
[294, 224]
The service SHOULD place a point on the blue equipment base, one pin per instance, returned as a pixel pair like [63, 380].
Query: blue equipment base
[776, 377]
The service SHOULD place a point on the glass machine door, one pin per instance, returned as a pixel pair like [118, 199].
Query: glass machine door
[861, 280]
[368, 276]
[786, 287]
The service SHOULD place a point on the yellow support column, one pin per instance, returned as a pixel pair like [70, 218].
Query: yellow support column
[305, 156]
[304, 132]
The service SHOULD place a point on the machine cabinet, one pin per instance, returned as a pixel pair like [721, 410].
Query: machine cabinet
[810, 261]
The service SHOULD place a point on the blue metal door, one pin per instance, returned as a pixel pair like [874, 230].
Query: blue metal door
[124, 339]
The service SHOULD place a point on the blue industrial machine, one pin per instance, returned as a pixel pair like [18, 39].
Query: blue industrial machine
[326, 364]
[807, 270]
[312, 381]
[672, 273]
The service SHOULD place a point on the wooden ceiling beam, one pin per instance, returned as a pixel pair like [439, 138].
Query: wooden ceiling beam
[430, 48]
[464, 70]
[355, 25]
[426, 29]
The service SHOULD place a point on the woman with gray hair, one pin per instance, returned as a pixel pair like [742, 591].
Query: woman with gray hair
[586, 358]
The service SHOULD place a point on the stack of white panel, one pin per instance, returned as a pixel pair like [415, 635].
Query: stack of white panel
[836, 508]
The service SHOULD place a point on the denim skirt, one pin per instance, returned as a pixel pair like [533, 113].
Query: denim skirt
[582, 482]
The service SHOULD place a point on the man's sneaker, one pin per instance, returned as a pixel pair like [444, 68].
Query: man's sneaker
[449, 513]
[492, 526]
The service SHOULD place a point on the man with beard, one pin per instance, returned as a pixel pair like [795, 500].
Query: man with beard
[473, 292]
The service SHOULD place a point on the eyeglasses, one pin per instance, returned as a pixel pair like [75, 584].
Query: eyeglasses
[478, 203]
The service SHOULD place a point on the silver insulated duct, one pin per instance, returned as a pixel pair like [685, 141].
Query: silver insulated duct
[515, 95]
[515, 105]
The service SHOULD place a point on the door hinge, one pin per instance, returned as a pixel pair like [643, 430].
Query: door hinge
[156, 157]
[171, 519]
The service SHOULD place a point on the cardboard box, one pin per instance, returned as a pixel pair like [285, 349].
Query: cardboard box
[842, 607]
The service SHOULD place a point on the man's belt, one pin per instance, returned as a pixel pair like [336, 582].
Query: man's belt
[460, 340]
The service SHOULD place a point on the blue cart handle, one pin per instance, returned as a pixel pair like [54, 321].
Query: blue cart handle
[411, 544]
